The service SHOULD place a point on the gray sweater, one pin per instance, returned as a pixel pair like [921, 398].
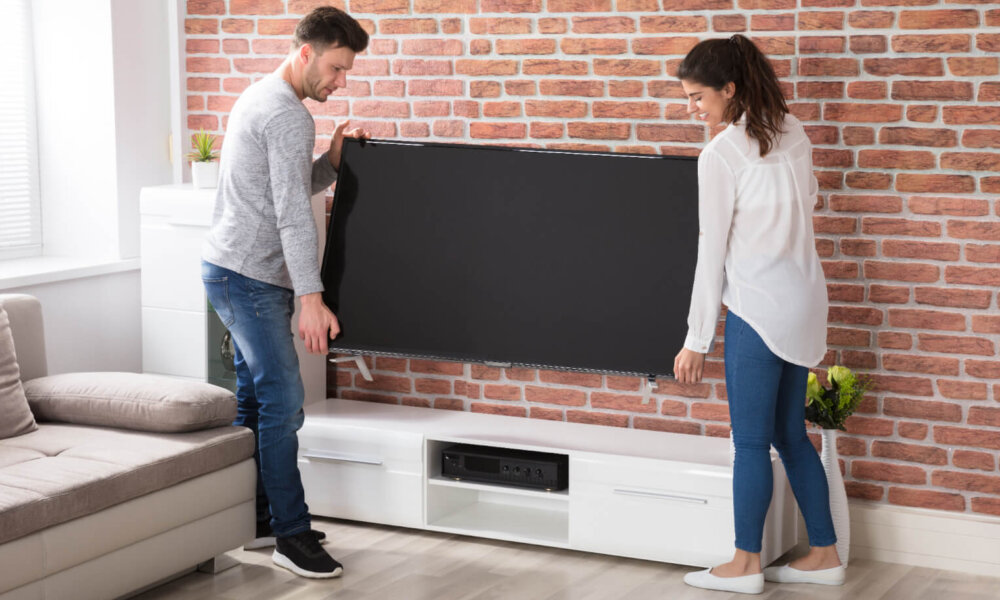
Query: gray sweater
[263, 226]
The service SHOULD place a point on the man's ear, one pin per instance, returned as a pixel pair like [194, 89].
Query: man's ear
[305, 53]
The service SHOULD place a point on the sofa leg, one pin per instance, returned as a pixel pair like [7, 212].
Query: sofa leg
[217, 564]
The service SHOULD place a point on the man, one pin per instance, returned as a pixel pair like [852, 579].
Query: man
[261, 253]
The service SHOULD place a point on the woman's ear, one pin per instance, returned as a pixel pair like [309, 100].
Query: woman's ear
[729, 90]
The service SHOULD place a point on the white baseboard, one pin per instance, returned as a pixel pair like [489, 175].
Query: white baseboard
[923, 538]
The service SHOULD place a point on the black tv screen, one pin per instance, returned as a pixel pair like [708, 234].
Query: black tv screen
[537, 258]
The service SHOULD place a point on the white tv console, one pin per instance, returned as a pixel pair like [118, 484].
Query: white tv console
[642, 494]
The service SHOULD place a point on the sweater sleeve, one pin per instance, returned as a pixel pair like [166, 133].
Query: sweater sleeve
[323, 173]
[290, 167]
[716, 200]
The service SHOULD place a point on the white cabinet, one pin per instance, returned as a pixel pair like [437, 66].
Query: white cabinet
[181, 336]
[641, 494]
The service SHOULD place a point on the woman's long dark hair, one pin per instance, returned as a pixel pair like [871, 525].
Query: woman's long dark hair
[714, 63]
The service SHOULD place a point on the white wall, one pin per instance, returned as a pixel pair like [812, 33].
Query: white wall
[91, 323]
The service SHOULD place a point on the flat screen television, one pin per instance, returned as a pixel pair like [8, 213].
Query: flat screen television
[512, 256]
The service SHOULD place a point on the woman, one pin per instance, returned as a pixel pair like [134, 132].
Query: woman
[756, 254]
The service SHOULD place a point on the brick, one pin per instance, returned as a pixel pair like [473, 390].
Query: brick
[576, 6]
[868, 44]
[990, 506]
[888, 294]
[862, 113]
[510, 6]
[843, 269]
[599, 131]
[772, 22]
[867, 90]
[961, 275]
[520, 88]
[670, 133]
[558, 109]
[962, 390]
[955, 344]
[983, 368]
[465, 108]
[971, 161]
[549, 414]
[546, 130]
[603, 25]
[203, 84]
[864, 491]
[842, 225]
[886, 67]
[957, 298]
[821, 134]
[855, 315]
[464, 388]
[409, 26]
[950, 43]
[632, 89]
[823, 157]
[818, 20]
[929, 455]
[926, 319]
[597, 418]
[417, 67]
[857, 359]
[828, 67]
[965, 66]
[967, 482]
[841, 292]
[729, 23]
[692, 5]
[986, 324]
[969, 459]
[844, 336]
[963, 207]
[450, 7]
[201, 26]
[480, 47]
[628, 402]
[896, 159]
[990, 185]
[380, 6]
[926, 499]
[923, 250]
[863, 469]
[982, 253]
[888, 226]
[237, 26]
[526, 46]
[857, 247]
[626, 110]
[950, 184]
[912, 386]
[774, 46]
[987, 231]
[667, 425]
[662, 46]
[938, 19]
[869, 181]
[449, 404]
[822, 44]
[913, 431]
[592, 380]
[989, 91]
[497, 130]
[710, 411]
[501, 392]
[961, 436]
[593, 46]
[206, 122]
[371, 67]
[498, 409]
[981, 138]
[914, 136]
[971, 115]
[921, 113]
[627, 67]
[433, 47]
[207, 65]
[894, 340]
[920, 364]
[871, 19]
[448, 128]
[436, 367]
[667, 24]
[559, 67]
[484, 68]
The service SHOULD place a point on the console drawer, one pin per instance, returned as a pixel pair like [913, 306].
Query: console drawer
[362, 474]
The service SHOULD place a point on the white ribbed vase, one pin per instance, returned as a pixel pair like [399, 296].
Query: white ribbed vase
[838, 495]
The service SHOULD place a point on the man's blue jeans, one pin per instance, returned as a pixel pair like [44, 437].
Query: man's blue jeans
[767, 406]
[269, 388]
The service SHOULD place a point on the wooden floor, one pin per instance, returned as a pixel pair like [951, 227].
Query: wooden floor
[386, 563]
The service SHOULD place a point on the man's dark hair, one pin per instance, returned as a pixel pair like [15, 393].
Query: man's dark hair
[326, 27]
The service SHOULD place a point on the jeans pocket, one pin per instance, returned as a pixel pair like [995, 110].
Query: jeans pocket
[217, 290]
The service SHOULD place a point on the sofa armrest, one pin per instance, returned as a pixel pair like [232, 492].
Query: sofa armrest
[130, 401]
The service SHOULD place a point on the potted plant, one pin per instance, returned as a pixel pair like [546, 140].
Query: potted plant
[204, 166]
[828, 408]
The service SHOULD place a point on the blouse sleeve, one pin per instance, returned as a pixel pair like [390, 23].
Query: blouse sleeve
[716, 200]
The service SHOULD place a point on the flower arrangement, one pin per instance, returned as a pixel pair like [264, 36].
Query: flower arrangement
[830, 407]
[202, 144]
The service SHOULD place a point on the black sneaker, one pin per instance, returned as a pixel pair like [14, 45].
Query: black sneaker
[303, 555]
[264, 538]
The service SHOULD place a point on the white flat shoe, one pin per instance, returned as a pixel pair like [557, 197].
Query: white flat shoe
[747, 584]
[787, 574]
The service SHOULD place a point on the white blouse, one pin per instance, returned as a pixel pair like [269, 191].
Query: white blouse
[756, 249]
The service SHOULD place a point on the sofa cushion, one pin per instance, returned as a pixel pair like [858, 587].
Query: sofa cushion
[16, 415]
[130, 401]
[61, 472]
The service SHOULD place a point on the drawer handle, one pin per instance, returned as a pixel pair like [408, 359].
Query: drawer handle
[319, 455]
[691, 499]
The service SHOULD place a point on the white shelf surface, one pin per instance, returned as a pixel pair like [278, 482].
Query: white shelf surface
[507, 522]
[560, 495]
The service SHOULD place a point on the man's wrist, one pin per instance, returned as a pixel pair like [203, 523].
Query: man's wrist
[313, 299]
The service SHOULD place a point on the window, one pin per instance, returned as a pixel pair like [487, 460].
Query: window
[20, 212]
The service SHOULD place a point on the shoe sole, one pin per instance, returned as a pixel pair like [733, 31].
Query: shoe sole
[283, 561]
[802, 577]
[258, 543]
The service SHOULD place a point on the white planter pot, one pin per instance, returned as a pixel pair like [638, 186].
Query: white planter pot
[205, 174]
[838, 495]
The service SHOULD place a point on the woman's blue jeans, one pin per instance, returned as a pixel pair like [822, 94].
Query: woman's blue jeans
[767, 407]
[269, 389]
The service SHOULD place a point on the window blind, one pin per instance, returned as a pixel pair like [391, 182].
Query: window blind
[20, 211]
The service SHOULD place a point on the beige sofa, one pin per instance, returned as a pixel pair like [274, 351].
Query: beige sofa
[111, 482]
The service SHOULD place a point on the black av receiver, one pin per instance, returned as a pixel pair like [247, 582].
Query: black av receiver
[522, 468]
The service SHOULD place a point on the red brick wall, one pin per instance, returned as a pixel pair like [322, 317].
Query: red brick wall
[900, 98]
